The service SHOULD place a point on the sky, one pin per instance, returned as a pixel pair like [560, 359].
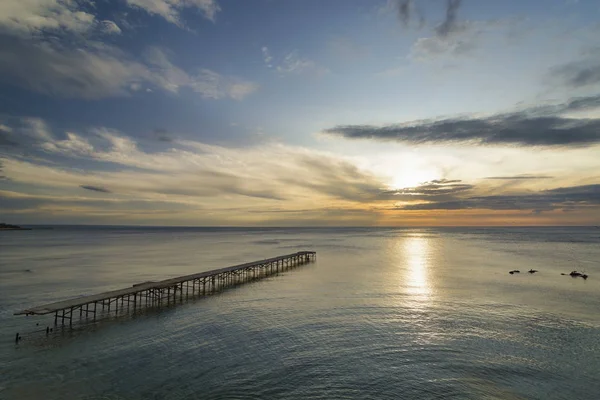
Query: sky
[300, 112]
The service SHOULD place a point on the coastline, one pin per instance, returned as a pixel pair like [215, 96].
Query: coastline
[10, 227]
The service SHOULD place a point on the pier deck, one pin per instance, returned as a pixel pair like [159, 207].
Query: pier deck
[156, 293]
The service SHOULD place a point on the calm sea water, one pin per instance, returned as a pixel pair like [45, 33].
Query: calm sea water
[382, 314]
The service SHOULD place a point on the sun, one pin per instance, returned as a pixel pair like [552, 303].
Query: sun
[411, 177]
[401, 170]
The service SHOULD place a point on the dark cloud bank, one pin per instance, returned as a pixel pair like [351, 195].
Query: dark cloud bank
[542, 126]
[453, 195]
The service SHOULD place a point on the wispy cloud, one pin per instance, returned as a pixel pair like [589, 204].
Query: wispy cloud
[216, 86]
[407, 11]
[86, 73]
[451, 36]
[542, 126]
[563, 198]
[99, 71]
[433, 190]
[519, 177]
[31, 16]
[268, 59]
[189, 168]
[209, 84]
[192, 181]
[578, 74]
[171, 10]
[2, 176]
[291, 63]
[450, 24]
[6, 137]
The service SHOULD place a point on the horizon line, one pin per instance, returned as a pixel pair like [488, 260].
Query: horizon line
[311, 227]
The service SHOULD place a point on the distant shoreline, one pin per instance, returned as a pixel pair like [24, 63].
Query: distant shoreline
[9, 227]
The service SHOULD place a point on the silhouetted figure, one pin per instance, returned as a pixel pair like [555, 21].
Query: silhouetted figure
[532, 271]
[584, 276]
[514, 271]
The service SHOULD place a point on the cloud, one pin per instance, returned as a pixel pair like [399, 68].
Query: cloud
[404, 11]
[193, 181]
[335, 178]
[171, 10]
[215, 86]
[407, 11]
[36, 128]
[291, 63]
[451, 36]
[27, 17]
[110, 27]
[194, 169]
[162, 135]
[24, 203]
[267, 56]
[25, 132]
[438, 190]
[519, 177]
[449, 25]
[542, 126]
[578, 74]
[209, 84]
[564, 198]
[2, 176]
[31, 16]
[95, 189]
[425, 48]
[88, 73]
[98, 71]
[6, 137]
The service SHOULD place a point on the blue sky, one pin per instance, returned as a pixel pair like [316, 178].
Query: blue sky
[215, 112]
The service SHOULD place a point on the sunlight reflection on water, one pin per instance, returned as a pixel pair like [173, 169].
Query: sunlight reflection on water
[414, 254]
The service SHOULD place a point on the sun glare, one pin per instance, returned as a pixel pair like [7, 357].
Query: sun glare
[412, 177]
[405, 170]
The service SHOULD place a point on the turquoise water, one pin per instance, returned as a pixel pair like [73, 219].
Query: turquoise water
[383, 313]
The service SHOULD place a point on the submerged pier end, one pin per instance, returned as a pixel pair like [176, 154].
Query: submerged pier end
[168, 291]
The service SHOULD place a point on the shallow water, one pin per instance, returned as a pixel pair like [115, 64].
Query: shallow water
[383, 313]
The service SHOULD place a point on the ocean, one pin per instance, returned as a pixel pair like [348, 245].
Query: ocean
[382, 314]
